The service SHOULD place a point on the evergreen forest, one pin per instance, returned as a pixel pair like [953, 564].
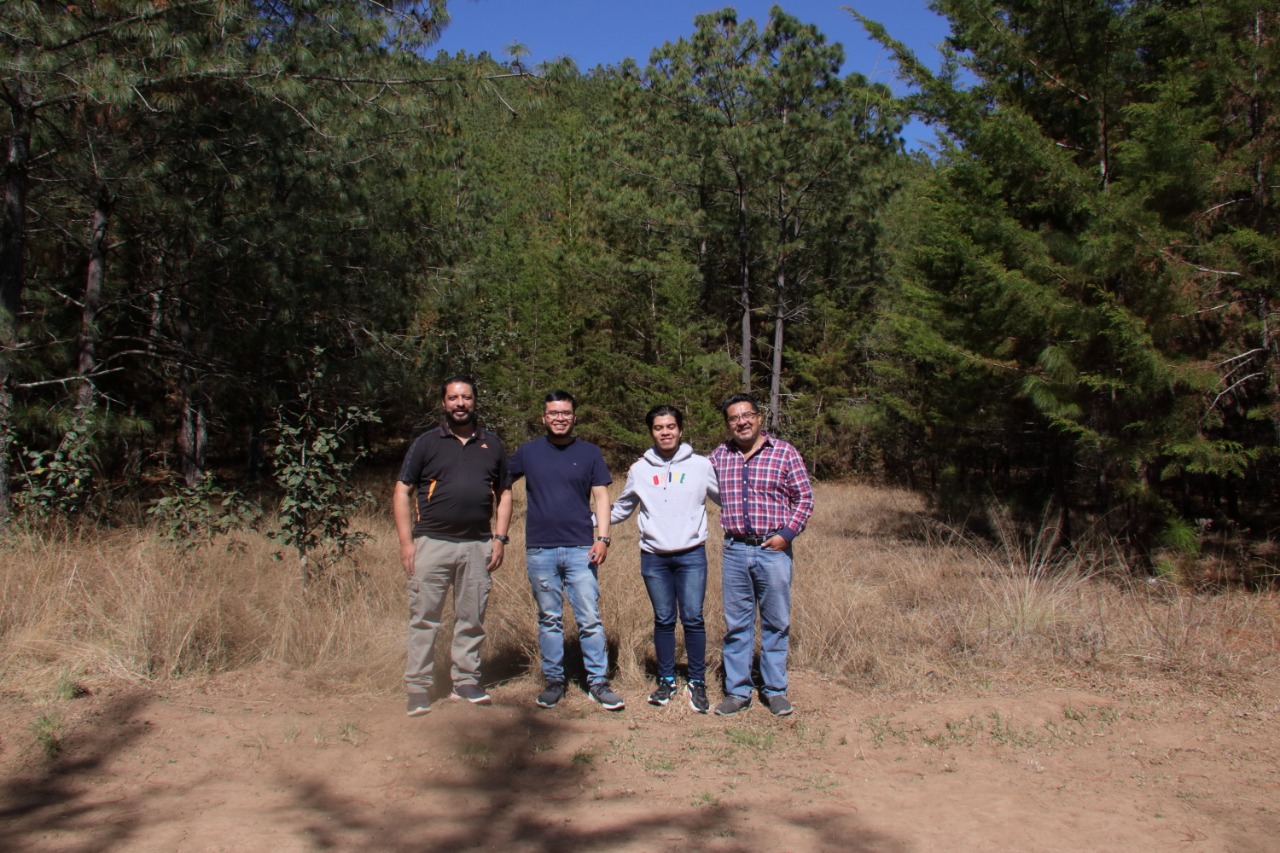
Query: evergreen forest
[244, 241]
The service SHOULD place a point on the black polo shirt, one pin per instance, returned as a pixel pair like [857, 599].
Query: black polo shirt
[456, 483]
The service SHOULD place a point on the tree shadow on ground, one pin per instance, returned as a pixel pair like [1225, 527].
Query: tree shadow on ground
[525, 780]
[49, 798]
[521, 786]
[503, 663]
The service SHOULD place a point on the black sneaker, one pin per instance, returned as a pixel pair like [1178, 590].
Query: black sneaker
[698, 696]
[779, 704]
[604, 694]
[551, 696]
[419, 704]
[473, 693]
[731, 705]
[661, 696]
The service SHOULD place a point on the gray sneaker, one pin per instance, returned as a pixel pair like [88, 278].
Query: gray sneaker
[698, 697]
[604, 694]
[779, 704]
[731, 705]
[551, 696]
[418, 705]
[473, 693]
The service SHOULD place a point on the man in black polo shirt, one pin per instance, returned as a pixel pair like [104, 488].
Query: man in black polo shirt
[457, 471]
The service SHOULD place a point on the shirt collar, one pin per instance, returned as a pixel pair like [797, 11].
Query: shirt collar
[764, 434]
[445, 432]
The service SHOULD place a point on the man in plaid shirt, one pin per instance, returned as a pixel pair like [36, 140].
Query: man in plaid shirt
[766, 500]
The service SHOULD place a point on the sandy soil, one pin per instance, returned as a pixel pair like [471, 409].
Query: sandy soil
[260, 761]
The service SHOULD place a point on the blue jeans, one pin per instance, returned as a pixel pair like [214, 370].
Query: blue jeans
[755, 581]
[555, 573]
[677, 581]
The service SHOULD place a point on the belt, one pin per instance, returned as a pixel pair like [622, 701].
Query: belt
[748, 538]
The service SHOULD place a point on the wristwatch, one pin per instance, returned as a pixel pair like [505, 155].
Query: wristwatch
[604, 539]
[505, 540]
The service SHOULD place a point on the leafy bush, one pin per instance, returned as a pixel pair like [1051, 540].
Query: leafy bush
[319, 498]
[57, 483]
[195, 515]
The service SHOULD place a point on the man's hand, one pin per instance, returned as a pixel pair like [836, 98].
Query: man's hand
[600, 550]
[776, 542]
[495, 556]
[402, 507]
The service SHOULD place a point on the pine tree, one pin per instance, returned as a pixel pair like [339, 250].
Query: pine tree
[1078, 265]
[184, 135]
[786, 155]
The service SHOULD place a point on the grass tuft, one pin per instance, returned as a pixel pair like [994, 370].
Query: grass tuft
[47, 730]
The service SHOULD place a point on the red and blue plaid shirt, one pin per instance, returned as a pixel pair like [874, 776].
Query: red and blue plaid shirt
[768, 493]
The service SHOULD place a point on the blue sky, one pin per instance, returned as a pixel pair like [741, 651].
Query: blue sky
[604, 32]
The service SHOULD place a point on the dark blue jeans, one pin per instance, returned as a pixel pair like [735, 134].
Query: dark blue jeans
[677, 582]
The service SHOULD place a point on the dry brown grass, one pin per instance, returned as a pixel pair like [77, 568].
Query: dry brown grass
[884, 599]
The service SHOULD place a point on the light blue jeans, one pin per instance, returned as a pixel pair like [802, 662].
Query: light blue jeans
[755, 581]
[554, 574]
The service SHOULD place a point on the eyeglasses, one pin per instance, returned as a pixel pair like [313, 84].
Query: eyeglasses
[559, 416]
[742, 419]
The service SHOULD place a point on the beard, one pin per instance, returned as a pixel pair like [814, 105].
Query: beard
[461, 416]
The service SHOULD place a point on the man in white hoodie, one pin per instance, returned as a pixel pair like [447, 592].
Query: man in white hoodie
[670, 484]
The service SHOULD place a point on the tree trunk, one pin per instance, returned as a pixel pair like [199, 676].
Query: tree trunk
[255, 464]
[1260, 190]
[193, 429]
[779, 310]
[87, 362]
[14, 229]
[13, 233]
[193, 434]
[775, 374]
[744, 285]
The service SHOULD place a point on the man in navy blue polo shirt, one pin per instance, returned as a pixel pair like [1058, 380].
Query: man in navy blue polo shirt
[458, 472]
[564, 478]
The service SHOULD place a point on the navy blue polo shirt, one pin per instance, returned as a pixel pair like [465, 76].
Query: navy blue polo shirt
[558, 481]
[456, 483]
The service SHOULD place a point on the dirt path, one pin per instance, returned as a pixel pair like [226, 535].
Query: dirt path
[257, 761]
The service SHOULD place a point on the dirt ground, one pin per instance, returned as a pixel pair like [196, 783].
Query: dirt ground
[260, 761]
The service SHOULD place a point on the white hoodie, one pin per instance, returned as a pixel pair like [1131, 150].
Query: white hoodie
[671, 494]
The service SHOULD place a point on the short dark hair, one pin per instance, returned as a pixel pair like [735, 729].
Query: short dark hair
[457, 377]
[735, 399]
[558, 396]
[658, 411]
